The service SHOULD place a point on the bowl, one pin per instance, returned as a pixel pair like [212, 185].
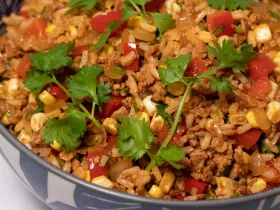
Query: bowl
[62, 191]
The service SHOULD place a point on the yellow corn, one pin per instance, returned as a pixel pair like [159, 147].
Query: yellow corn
[135, 21]
[143, 115]
[258, 186]
[162, 66]
[37, 121]
[5, 120]
[47, 98]
[204, 36]
[87, 178]
[56, 146]
[106, 51]
[245, 157]
[167, 182]
[237, 119]
[273, 112]
[53, 113]
[24, 137]
[276, 59]
[156, 123]
[176, 7]
[110, 125]
[251, 117]
[50, 28]
[73, 31]
[156, 192]
[103, 181]
[176, 88]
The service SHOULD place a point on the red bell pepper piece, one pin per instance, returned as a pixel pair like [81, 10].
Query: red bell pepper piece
[261, 87]
[23, 66]
[131, 47]
[154, 5]
[221, 18]
[57, 92]
[176, 136]
[248, 139]
[191, 183]
[37, 28]
[195, 67]
[114, 104]
[261, 66]
[78, 50]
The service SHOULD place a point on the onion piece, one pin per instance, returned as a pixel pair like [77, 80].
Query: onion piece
[117, 168]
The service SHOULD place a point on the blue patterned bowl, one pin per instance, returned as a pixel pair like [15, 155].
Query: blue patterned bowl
[62, 191]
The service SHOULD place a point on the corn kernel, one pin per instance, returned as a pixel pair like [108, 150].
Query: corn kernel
[5, 120]
[176, 7]
[225, 186]
[149, 105]
[276, 71]
[23, 137]
[167, 182]
[276, 59]
[73, 31]
[106, 51]
[87, 178]
[143, 115]
[53, 113]
[56, 146]
[47, 98]
[263, 33]
[37, 121]
[135, 21]
[204, 36]
[176, 88]
[273, 112]
[209, 123]
[258, 186]
[245, 157]
[274, 90]
[50, 28]
[251, 117]
[110, 125]
[156, 192]
[13, 86]
[156, 123]
[103, 181]
[162, 66]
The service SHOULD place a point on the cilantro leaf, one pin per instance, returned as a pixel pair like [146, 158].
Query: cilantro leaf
[161, 112]
[238, 29]
[118, 70]
[83, 83]
[175, 70]
[171, 154]
[138, 2]
[102, 91]
[230, 4]
[53, 59]
[217, 84]
[134, 137]
[66, 131]
[127, 12]
[275, 15]
[84, 5]
[37, 110]
[229, 57]
[36, 81]
[163, 21]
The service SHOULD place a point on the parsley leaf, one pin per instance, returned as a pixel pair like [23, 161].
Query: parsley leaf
[127, 12]
[230, 4]
[175, 70]
[53, 59]
[36, 81]
[83, 83]
[229, 57]
[66, 131]
[172, 153]
[84, 5]
[102, 91]
[37, 110]
[220, 85]
[161, 112]
[163, 21]
[134, 137]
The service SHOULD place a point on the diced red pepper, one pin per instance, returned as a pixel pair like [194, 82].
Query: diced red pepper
[24, 14]
[177, 135]
[131, 47]
[100, 22]
[191, 183]
[58, 93]
[78, 50]
[114, 104]
[37, 28]
[96, 169]
[195, 67]
[261, 66]
[23, 66]
[154, 5]
[248, 139]
[261, 87]
[223, 19]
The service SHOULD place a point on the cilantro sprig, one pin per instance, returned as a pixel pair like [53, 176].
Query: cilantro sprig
[83, 5]
[135, 139]
[161, 112]
[43, 66]
[227, 56]
[163, 21]
[230, 4]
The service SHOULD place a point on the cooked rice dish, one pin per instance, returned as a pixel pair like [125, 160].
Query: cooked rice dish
[175, 99]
